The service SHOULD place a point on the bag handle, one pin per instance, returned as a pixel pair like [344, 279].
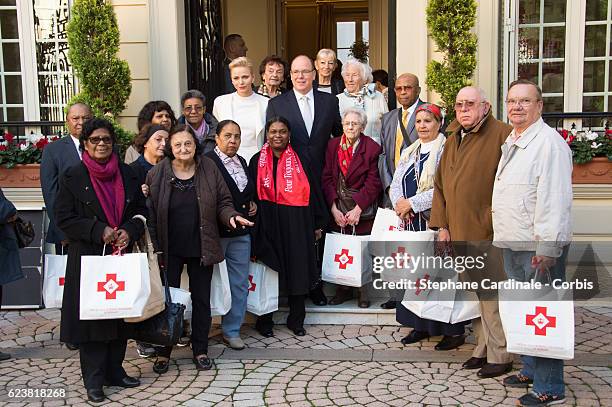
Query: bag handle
[162, 269]
[342, 230]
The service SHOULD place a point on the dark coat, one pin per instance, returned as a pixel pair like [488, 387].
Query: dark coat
[362, 175]
[326, 124]
[242, 200]
[57, 157]
[80, 216]
[209, 143]
[10, 265]
[337, 85]
[214, 205]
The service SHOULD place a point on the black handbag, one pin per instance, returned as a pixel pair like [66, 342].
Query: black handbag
[346, 202]
[165, 328]
[24, 231]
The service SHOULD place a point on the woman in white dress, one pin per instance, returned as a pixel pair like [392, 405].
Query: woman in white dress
[244, 106]
[360, 93]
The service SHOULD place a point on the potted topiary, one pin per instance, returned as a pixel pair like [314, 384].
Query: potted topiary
[592, 154]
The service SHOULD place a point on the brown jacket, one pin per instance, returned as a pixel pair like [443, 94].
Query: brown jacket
[464, 181]
[214, 202]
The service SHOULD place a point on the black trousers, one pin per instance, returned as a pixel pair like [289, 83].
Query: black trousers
[102, 362]
[199, 285]
[295, 319]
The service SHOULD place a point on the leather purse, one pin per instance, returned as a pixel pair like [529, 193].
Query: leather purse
[346, 202]
[24, 231]
[165, 328]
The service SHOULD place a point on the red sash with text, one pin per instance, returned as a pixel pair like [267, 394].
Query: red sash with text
[292, 187]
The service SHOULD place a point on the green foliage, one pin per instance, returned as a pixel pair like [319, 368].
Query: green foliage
[588, 144]
[125, 138]
[360, 50]
[93, 43]
[13, 153]
[449, 23]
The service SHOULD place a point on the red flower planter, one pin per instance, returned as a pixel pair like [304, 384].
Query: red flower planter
[597, 171]
[20, 176]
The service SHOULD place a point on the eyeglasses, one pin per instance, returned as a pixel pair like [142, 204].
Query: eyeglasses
[399, 89]
[228, 137]
[198, 109]
[351, 124]
[461, 104]
[97, 140]
[302, 72]
[519, 102]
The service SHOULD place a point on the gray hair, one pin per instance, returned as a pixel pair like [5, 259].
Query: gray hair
[193, 93]
[366, 70]
[362, 115]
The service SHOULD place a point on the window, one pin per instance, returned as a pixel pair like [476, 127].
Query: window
[596, 86]
[36, 79]
[347, 32]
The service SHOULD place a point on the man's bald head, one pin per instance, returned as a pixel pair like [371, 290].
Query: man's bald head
[407, 89]
[471, 106]
[302, 74]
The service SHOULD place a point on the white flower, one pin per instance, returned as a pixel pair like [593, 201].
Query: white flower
[591, 135]
[580, 136]
[574, 131]
[23, 147]
[595, 145]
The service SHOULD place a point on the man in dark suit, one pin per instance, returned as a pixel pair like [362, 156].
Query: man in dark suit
[56, 159]
[314, 118]
[398, 132]
[234, 47]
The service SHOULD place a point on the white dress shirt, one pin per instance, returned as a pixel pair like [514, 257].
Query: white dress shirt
[310, 96]
[77, 146]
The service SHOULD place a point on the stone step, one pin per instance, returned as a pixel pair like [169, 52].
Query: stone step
[344, 314]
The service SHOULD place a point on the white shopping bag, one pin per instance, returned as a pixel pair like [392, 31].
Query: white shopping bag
[386, 220]
[425, 302]
[346, 260]
[263, 290]
[540, 327]
[220, 293]
[114, 286]
[53, 283]
[181, 296]
[412, 252]
[466, 307]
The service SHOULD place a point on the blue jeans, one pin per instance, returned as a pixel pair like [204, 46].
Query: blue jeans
[237, 255]
[546, 373]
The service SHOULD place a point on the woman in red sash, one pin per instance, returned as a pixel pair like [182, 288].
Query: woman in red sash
[290, 219]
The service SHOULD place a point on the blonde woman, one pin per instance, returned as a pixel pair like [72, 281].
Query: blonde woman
[325, 64]
[244, 106]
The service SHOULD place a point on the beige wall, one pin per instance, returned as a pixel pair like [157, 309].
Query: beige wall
[133, 21]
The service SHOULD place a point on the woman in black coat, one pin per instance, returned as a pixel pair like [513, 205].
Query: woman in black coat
[10, 264]
[95, 205]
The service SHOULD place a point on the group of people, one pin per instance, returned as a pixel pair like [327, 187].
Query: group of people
[271, 170]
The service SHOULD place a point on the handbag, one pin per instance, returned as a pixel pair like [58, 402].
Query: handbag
[24, 231]
[165, 328]
[346, 202]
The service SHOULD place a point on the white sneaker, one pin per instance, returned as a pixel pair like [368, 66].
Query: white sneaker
[234, 343]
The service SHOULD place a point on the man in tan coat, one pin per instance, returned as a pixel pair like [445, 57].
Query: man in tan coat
[461, 211]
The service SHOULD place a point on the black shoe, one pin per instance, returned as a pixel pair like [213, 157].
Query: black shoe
[317, 297]
[494, 369]
[95, 395]
[474, 363]
[450, 342]
[145, 350]
[414, 337]
[299, 331]
[517, 380]
[534, 399]
[161, 366]
[341, 297]
[4, 356]
[266, 332]
[126, 382]
[391, 304]
[203, 363]
[72, 346]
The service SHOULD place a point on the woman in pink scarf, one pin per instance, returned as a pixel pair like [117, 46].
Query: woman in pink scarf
[95, 205]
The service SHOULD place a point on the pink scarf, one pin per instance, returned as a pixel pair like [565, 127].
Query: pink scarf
[108, 186]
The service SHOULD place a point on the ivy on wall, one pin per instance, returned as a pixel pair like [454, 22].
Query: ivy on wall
[450, 23]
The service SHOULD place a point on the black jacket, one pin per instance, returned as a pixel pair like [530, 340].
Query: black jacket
[241, 200]
[79, 215]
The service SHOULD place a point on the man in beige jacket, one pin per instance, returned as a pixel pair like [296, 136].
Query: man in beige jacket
[461, 211]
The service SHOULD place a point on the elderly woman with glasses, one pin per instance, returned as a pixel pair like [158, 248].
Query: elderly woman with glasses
[360, 92]
[95, 206]
[411, 194]
[184, 187]
[352, 186]
[203, 124]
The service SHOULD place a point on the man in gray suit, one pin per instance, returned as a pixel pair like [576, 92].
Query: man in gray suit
[398, 127]
[398, 132]
[56, 159]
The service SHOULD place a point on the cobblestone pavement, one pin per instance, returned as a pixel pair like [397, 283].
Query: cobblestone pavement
[332, 365]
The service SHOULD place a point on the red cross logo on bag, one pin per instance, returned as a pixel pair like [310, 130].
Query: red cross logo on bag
[61, 281]
[418, 284]
[253, 285]
[343, 259]
[111, 286]
[403, 262]
[541, 321]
